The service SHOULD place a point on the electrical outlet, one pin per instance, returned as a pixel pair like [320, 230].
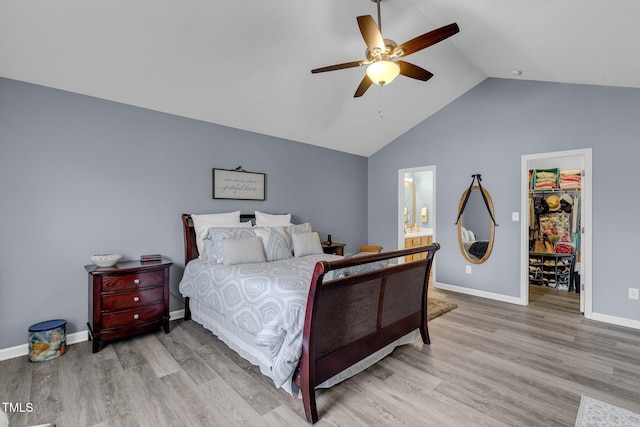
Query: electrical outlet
[634, 293]
[515, 216]
[468, 271]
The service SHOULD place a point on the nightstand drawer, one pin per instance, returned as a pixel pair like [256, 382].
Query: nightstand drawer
[132, 299]
[122, 282]
[132, 317]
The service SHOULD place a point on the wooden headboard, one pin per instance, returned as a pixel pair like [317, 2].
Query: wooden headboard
[190, 247]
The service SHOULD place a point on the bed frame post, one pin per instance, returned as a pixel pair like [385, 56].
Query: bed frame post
[424, 328]
[332, 341]
[187, 310]
[307, 372]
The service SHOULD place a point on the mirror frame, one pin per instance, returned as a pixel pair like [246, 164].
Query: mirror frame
[491, 224]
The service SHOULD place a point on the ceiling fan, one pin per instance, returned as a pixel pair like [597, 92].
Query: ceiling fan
[380, 54]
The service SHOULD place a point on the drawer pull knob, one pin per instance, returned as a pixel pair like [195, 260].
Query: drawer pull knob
[136, 316]
[136, 299]
[136, 281]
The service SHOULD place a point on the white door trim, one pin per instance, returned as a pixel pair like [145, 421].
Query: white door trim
[400, 213]
[586, 219]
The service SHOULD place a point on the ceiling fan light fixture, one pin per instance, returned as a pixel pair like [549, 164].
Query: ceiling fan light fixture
[383, 72]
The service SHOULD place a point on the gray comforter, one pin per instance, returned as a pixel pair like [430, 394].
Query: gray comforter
[268, 300]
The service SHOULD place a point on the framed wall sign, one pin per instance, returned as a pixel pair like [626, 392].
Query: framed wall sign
[238, 184]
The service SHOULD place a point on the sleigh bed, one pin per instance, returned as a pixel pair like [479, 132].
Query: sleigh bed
[308, 321]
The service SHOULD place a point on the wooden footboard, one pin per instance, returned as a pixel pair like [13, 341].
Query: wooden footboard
[350, 318]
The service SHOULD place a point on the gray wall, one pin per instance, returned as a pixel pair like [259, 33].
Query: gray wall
[79, 176]
[486, 131]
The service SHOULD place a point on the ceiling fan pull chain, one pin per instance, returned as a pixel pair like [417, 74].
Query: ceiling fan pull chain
[380, 102]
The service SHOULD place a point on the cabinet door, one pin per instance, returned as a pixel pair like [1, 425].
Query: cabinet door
[408, 244]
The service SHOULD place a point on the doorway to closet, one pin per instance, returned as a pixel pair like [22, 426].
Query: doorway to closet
[556, 229]
[416, 207]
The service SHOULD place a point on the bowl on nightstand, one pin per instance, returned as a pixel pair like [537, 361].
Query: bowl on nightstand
[105, 260]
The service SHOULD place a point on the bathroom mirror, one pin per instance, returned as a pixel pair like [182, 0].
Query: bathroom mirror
[476, 225]
[409, 203]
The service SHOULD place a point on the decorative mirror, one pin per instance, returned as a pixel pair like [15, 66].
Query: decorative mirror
[476, 223]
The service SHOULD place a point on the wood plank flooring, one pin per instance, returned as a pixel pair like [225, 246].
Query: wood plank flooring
[489, 364]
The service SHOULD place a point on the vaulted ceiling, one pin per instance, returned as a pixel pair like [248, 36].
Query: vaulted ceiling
[246, 64]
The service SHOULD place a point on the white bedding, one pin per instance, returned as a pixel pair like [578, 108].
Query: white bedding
[267, 300]
[258, 310]
[243, 343]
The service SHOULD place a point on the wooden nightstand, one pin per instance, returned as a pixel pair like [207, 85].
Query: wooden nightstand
[127, 299]
[333, 248]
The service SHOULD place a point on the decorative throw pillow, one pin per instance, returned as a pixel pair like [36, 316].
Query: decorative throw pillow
[243, 250]
[213, 250]
[201, 223]
[276, 241]
[297, 228]
[270, 220]
[306, 244]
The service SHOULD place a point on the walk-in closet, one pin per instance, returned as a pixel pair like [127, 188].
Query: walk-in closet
[555, 228]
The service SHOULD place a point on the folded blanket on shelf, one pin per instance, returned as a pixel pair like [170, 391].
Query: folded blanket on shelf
[545, 179]
[570, 172]
[570, 181]
[546, 185]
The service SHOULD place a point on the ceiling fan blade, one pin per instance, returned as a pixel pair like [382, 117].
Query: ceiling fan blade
[413, 71]
[428, 39]
[370, 33]
[364, 85]
[338, 66]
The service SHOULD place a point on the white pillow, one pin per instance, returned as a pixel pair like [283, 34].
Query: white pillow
[269, 220]
[213, 249]
[201, 223]
[464, 234]
[472, 237]
[276, 241]
[306, 244]
[243, 250]
[297, 228]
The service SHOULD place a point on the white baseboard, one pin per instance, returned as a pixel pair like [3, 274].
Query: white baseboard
[175, 315]
[23, 349]
[74, 338]
[605, 318]
[620, 321]
[478, 293]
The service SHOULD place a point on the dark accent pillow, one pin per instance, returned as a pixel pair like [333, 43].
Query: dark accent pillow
[478, 249]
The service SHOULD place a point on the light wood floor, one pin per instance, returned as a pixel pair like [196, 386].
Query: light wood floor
[490, 363]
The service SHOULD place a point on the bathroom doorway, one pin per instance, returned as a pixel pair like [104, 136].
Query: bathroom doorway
[416, 204]
[564, 160]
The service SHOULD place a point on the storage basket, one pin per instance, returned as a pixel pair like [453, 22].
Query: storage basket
[554, 171]
[47, 340]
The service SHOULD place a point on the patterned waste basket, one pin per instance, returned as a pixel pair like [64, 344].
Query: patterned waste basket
[47, 340]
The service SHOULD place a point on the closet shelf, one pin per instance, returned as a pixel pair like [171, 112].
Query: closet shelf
[554, 190]
[552, 270]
